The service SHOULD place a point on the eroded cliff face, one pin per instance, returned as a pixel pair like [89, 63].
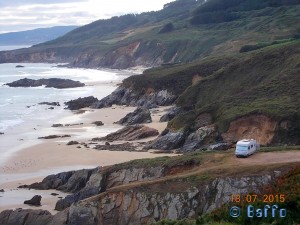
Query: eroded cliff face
[258, 127]
[151, 203]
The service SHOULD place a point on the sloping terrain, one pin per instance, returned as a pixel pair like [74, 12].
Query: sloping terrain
[171, 35]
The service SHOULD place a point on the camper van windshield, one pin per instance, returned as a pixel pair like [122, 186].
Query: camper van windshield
[242, 147]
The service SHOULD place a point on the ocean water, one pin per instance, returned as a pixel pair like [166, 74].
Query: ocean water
[21, 117]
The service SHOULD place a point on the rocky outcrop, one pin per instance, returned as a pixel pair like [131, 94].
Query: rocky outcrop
[219, 146]
[140, 115]
[130, 133]
[54, 136]
[32, 217]
[36, 200]
[98, 123]
[126, 96]
[172, 112]
[49, 83]
[81, 103]
[167, 141]
[145, 205]
[199, 138]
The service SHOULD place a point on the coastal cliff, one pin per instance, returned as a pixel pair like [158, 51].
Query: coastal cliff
[147, 191]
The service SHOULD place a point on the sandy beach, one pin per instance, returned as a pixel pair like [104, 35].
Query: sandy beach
[33, 163]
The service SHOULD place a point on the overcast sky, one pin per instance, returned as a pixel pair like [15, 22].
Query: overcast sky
[17, 15]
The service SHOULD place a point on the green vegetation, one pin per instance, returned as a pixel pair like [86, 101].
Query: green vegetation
[279, 148]
[169, 35]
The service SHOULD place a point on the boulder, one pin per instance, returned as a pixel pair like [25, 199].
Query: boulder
[171, 140]
[98, 123]
[73, 143]
[81, 103]
[49, 83]
[36, 200]
[1, 190]
[130, 133]
[118, 147]
[140, 115]
[1, 133]
[19, 66]
[172, 112]
[50, 103]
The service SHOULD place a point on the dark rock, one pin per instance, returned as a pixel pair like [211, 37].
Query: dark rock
[54, 194]
[1, 133]
[73, 143]
[199, 138]
[73, 124]
[130, 133]
[81, 103]
[51, 108]
[130, 147]
[107, 144]
[50, 103]
[172, 112]
[19, 66]
[98, 123]
[219, 146]
[140, 115]
[36, 200]
[71, 181]
[57, 125]
[54, 136]
[126, 96]
[49, 83]
[169, 141]
[2, 190]
[26, 217]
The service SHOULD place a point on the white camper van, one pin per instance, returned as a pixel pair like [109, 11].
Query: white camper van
[246, 147]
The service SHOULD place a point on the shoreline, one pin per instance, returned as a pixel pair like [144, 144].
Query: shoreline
[33, 163]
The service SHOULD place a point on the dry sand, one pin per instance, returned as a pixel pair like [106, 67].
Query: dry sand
[52, 156]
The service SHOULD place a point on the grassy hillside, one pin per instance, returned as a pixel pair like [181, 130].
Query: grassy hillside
[264, 81]
[171, 35]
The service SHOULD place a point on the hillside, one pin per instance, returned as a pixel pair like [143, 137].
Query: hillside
[245, 95]
[174, 34]
[36, 36]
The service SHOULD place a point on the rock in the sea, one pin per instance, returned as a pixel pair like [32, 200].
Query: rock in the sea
[36, 200]
[2, 190]
[49, 83]
[81, 103]
[50, 103]
[169, 141]
[98, 123]
[1, 133]
[73, 143]
[54, 136]
[19, 66]
[172, 112]
[57, 125]
[130, 133]
[140, 115]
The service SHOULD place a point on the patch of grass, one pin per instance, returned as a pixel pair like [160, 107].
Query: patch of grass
[280, 148]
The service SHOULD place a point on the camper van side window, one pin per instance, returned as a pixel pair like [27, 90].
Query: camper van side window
[249, 147]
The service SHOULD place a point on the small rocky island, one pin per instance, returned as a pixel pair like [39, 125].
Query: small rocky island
[49, 83]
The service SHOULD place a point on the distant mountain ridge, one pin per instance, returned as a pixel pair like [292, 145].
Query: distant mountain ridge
[35, 36]
[183, 31]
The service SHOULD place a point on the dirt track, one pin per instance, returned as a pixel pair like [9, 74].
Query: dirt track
[270, 158]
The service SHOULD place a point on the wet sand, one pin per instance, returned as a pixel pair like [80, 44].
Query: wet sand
[31, 164]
